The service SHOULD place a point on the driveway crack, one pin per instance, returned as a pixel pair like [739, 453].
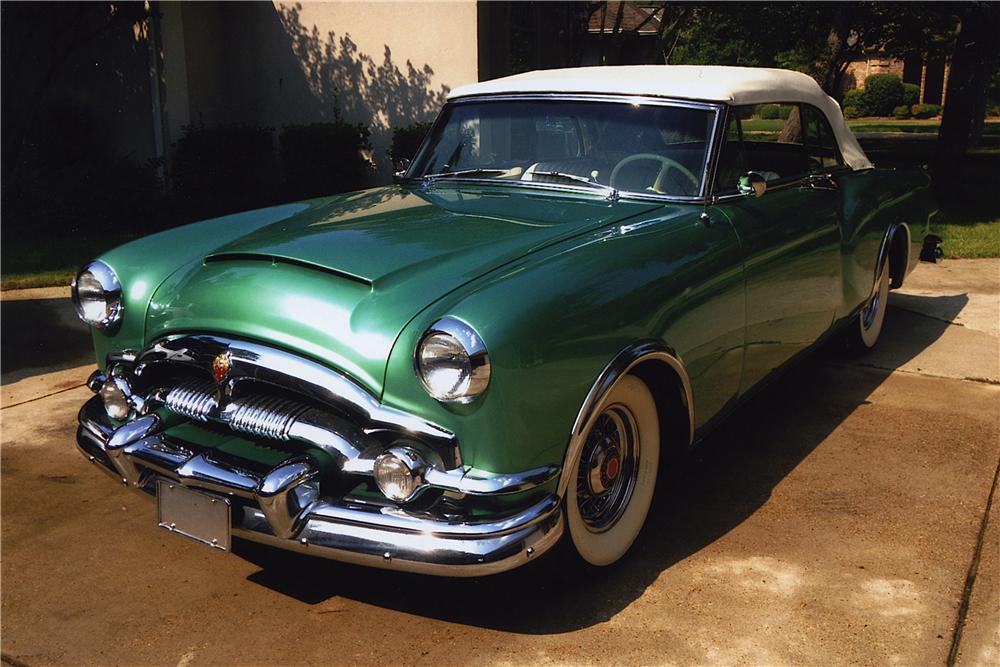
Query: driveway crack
[970, 577]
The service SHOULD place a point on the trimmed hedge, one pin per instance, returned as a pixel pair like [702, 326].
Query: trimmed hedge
[406, 141]
[852, 112]
[911, 94]
[883, 93]
[926, 110]
[902, 111]
[221, 169]
[324, 158]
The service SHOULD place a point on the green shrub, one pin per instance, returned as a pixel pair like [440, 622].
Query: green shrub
[855, 98]
[926, 110]
[406, 141]
[774, 111]
[883, 93]
[769, 111]
[852, 112]
[325, 158]
[222, 169]
[902, 111]
[911, 94]
[993, 110]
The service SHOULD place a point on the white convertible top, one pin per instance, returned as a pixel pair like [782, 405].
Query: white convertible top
[708, 83]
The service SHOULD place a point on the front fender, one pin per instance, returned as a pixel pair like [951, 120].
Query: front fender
[555, 320]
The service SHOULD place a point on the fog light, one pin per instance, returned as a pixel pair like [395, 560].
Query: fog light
[399, 474]
[115, 394]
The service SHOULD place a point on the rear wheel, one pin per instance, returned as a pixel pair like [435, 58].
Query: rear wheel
[864, 334]
[614, 474]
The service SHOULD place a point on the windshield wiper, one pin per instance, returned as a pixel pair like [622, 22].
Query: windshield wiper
[612, 192]
[465, 172]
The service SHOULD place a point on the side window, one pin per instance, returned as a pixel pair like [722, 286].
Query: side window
[782, 142]
[820, 141]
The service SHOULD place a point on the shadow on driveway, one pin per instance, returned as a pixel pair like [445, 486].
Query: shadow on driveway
[728, 478]
[41, 336]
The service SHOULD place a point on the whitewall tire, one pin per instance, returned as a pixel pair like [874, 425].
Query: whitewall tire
[872, 315]
[614, 474]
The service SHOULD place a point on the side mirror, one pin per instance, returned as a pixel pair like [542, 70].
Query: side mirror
[752, 184]
[399, 169]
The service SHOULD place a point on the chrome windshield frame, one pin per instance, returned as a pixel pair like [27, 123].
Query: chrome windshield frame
[716, 108]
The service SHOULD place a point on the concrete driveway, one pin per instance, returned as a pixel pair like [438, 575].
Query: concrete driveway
[840, 517]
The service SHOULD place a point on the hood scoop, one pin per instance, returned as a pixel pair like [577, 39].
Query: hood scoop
[264, 258]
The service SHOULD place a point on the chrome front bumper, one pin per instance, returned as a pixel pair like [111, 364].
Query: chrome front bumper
[282, 507]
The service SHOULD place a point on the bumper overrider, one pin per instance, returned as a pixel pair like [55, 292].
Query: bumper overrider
[314, 492]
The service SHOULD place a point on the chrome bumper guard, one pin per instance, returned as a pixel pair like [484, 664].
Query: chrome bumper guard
[283, 507]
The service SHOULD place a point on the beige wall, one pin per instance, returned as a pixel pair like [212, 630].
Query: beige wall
[382, 64]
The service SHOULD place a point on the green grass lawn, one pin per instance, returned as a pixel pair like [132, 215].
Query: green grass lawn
[54, 260]
[969, 241]
[866, 125]
[53, 278]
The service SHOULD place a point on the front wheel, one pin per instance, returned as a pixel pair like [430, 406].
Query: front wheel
[614, 474]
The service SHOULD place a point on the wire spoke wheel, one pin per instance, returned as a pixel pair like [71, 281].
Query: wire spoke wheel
[608, 468]
[614, 473]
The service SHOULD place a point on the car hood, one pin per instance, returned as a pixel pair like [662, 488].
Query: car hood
[339, 280]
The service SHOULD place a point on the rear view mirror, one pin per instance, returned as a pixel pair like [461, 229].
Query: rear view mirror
[752, 184]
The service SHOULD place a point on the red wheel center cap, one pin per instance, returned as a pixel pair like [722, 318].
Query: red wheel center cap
[612, 467]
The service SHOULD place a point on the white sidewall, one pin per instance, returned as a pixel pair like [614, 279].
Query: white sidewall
[870, 335]
[607, 547]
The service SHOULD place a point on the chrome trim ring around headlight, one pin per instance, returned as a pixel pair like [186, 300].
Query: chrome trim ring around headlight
[474, 348]
[110, 292]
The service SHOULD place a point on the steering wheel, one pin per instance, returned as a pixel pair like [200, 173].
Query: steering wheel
[666, 165]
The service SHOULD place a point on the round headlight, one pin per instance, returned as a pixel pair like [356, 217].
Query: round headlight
[97, 295]
[452, 362]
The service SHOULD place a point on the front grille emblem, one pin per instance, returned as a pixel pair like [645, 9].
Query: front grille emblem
[220, 366]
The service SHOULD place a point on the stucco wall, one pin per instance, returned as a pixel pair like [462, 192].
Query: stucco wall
[383, 64]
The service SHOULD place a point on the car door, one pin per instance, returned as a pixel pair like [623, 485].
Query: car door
[790, 236]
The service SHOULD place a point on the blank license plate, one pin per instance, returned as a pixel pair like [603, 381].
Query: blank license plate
[199, 516]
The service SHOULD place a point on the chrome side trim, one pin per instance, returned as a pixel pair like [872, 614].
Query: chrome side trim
[481, 483]
[620, 366]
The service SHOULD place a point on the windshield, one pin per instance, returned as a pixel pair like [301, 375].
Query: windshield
[651, 149]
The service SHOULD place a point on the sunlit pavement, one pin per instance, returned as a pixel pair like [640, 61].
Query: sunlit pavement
[835, 519]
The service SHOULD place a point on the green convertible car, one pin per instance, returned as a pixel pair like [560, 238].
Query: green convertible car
[580, 272]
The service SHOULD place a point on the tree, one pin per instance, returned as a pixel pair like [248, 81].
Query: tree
[973, 65]
[819, 38]
[42, 45]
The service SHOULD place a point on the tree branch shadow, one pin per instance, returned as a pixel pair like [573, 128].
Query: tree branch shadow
[351, 84]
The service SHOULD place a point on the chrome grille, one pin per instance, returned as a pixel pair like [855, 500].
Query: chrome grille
[195, 399]
[263, 416]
